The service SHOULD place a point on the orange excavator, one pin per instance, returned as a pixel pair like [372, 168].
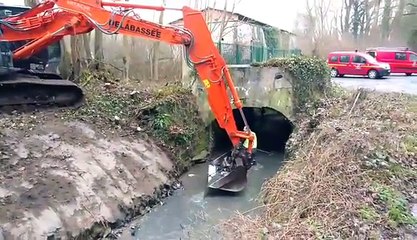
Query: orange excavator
[48, 22]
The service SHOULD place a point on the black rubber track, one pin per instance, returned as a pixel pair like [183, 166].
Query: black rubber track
[25, 90]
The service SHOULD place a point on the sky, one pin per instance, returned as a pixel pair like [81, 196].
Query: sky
[282, 17]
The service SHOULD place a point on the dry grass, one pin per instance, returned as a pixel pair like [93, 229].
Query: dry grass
[351, 174]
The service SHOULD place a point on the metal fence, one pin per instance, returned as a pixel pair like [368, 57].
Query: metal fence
[243, 54]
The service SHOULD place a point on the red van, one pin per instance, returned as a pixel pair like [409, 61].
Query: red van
[356, 63]
[401, 60]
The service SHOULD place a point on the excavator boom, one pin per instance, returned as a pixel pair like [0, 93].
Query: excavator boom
[50, 21]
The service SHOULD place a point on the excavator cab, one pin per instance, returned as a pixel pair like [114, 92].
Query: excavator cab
[6, 59]
[35, 80]
[46, 60]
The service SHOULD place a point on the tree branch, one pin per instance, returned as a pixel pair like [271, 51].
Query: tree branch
[412, 5]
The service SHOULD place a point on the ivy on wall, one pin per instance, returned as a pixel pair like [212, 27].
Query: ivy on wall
[309, 76]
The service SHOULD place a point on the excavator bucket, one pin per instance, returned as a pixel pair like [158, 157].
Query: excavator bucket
[233, 181]
[232, 178]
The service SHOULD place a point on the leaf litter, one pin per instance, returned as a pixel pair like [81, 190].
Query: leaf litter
[350, 173]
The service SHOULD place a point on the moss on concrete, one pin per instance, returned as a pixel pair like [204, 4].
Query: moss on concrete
[281, 99]
[310, 78]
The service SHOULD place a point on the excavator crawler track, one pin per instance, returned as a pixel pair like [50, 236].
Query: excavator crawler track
[27, 90]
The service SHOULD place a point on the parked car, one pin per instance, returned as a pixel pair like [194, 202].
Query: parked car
[356, 63]
[401, 60]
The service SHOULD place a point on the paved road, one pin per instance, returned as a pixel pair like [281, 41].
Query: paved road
[393, 83]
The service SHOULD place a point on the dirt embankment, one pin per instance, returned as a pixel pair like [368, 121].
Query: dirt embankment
[351, 174]
[82, 172]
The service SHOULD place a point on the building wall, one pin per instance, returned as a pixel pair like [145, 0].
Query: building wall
[287, 40]
[242, 42]
[235, 31]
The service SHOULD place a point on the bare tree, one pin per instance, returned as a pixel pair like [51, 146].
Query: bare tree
[360, 19]
[386, 20]
[75, 42]
[375, 16]
[156, 50]
[220, 21]
[31, 3]
[226, 17]
[356, 24]
[348, 4]
[316, 23]
[86, 44]
[98, 49]
[126, 57]
[367, 18]
[396, 22]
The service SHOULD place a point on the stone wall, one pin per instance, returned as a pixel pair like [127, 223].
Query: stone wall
[257, 87]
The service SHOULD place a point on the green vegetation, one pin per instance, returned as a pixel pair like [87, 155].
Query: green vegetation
[397, 210]
[351, 173]
[309, 76]
[172, 117]
[369, 214]
[169, 114]
[410, 143]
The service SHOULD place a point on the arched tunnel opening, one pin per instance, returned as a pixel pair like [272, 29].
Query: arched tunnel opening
[272, 129]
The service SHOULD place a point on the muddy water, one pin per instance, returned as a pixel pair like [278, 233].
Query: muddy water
[191, 214]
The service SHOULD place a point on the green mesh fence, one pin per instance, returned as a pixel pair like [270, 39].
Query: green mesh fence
[243, 54]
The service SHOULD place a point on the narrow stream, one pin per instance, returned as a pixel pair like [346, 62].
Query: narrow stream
[189, 214]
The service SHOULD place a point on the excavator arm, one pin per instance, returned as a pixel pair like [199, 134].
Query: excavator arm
[52, 20]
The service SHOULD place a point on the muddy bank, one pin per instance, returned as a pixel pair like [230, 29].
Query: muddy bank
[64, 177]
[351, 173]
[68, 173]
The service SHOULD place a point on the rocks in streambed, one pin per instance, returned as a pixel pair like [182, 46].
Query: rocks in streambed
[63, 179]
[143, 205]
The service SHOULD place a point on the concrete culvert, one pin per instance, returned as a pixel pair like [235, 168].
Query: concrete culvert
[272, 129]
